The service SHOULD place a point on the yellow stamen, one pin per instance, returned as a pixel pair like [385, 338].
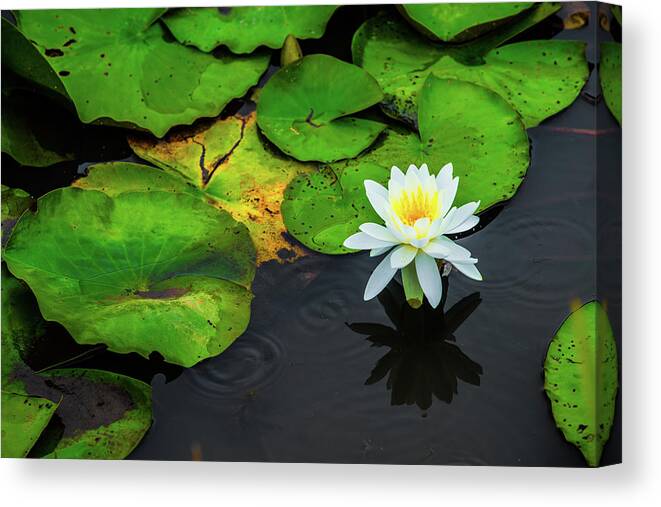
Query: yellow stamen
[411, 206]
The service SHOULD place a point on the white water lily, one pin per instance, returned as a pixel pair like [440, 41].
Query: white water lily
[417, 211]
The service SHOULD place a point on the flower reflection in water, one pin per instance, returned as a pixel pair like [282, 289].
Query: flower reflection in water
[423, 360]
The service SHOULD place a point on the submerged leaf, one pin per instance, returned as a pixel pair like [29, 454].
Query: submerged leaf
[538, 78]
[102, 415]
[117, 65]
[610, 73]
[120, 269]
[458, 22]
[580, 379]
[236, 171]
[31, 137]
[487, 145]
[243, 29]
[304, 108]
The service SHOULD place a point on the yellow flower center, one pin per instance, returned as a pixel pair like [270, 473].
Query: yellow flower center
[410, 206]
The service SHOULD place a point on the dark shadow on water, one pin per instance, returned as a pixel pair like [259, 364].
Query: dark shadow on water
[423, 361]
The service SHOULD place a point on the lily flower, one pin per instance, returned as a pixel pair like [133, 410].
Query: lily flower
[417, 211]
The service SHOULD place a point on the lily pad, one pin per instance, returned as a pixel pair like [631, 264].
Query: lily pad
[24, 418]
[121, 269]
[236, 171]
[610, 73]
[580, 379]
[243, 29]
[118, 66]
[538, 78]
[454, 22]
[14, 202]
[487, 145]
[102, 415]
[303, 109]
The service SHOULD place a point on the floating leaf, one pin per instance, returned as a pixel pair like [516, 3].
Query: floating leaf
[237, 172]
[14, 202]
[303, 109]
[487, 145]
[24, 418]
[580, 379]
[243, 29]
[454, 22]
[538, 78]
[117, 65]
[102, 415]
[610, 73]
[122, 269]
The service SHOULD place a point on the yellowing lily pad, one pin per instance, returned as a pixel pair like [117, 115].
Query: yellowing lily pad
[538, 78]
[102, 415]
[121, 269]
[237, 171]
[243, 29]
[458, 22]
[118, 66]
[580, 379]
[304, 109]
[487, 145]
[24, 418]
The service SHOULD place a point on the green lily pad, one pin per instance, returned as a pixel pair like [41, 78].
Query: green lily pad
[236, 171]
[102, 415]
[610, 73]
[121, 269]
[118, 67]
[24, 418]
[538, 78]
[14, 202]
[487, 145]
[617, 13]
[461, 22]
[580, 379]
[303, 109]
[243, 29]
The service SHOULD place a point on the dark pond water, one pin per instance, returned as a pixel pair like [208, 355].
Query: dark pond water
[293, 387]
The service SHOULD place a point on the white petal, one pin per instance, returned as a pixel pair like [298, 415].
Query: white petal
[468, 224]
[375, 252]
[375, 188]
[380, 204]
[429, 278]
[397, 175]
[379, 232]
[435, 228]
[424, 172]
[402, 256]
[444, 176]
[380, 278]
[411, 178]
[438, 248]
[362, 241]
[444, 248]
[448, 194]
[460, 216]
[468, 268]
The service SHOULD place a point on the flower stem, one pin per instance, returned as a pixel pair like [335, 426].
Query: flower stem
[412, 289]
